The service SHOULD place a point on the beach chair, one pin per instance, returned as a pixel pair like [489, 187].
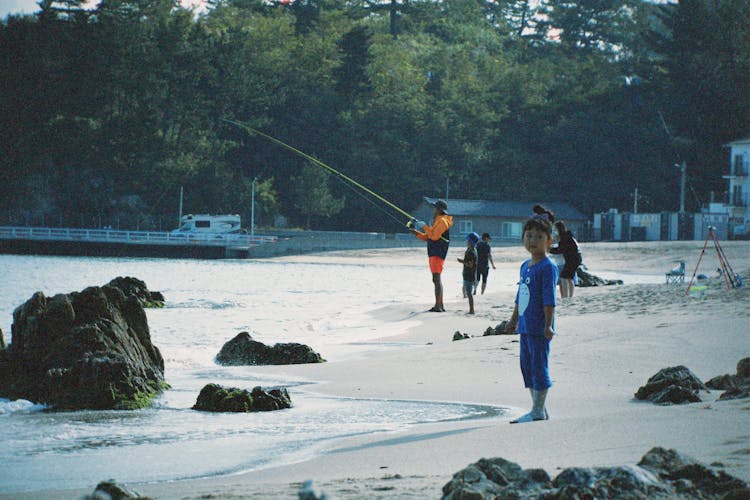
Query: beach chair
[676, 274]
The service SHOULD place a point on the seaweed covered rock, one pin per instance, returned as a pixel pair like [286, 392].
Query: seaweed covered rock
[214, 397]
[660, 474]
[673, 385]
[500, 329]
[460, 336]
[138, 289]
[734, 386]
[110, 490]
[243, 350]
[586, 279]
[689, 478]
[84, 350]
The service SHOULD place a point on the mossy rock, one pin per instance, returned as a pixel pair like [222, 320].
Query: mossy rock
[216, 398]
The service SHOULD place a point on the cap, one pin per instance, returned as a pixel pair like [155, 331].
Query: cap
[473, 238]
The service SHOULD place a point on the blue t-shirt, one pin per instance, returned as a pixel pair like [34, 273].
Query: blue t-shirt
[536, 289]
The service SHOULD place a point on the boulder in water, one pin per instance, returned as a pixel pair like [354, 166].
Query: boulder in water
[243, 350]
[84, 350]
[110, 490]
[673, 385]
[214, 397]
[138, 289]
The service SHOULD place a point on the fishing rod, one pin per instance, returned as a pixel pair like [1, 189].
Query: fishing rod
[328, 168]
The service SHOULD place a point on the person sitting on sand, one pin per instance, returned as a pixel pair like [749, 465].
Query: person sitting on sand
[470, 268]
[567, 246]
[438, 239]
[534, 314]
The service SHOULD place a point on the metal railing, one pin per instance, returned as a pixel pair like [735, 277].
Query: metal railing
[133, 237]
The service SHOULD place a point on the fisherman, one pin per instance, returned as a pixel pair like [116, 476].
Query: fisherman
[437, 237]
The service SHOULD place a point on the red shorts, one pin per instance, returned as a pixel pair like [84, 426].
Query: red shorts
[436, 265]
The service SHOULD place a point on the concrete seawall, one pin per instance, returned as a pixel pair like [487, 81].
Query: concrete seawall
[301, 242]
[288, 243]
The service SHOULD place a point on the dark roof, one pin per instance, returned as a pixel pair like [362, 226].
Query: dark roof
[746, 140]
[513, 209]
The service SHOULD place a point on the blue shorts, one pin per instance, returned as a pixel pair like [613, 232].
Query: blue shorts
[468, 287]
[534, 361]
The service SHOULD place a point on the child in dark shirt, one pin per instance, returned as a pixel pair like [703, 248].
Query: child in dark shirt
[470, 268]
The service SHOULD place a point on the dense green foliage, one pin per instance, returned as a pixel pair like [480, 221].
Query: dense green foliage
[105, 113]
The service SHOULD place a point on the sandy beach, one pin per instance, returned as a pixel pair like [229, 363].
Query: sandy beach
[610, 341]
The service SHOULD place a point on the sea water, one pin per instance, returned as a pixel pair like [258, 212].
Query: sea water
[325, 305]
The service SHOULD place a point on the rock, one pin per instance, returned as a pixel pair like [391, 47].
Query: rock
[110, 490]
[243, 350]
[692, 477]
[2, 339]
[660, 474]
[735, 393]
[469, 484]
[498, 330]
[308, 491]
[722, 382]
[84, 350]
[674, 385]
[735, 386]
[460, 336]
[214, 397]
[587, 279]
[138, 289]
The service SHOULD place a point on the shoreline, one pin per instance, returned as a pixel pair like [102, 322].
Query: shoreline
[610, 341]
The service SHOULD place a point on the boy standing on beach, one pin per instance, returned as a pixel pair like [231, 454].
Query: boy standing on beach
[534, 314]
[470, 268]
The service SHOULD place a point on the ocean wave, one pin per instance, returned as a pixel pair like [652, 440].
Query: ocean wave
[203, 304]
[8, 407]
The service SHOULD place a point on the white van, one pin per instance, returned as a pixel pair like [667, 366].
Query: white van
[213, 224]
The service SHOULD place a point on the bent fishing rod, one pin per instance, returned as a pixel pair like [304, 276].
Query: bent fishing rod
[328, 168]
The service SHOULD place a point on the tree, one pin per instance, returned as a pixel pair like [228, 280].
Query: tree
[590, 25]
[313, 195]
[703, 70]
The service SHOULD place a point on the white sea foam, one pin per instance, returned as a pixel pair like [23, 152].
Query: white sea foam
[8, 407]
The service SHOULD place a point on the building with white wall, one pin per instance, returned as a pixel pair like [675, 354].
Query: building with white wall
[738, 204]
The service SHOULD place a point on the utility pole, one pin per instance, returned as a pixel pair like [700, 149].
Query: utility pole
[179, 218]
[635, 201]
[682, 166]
[447, 188]
[252, 208]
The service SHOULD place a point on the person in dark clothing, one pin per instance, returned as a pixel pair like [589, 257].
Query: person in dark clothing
[470, 268]
[484, 256]
[567, 246]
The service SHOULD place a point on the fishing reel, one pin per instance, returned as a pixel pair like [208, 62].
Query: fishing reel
[415, 224]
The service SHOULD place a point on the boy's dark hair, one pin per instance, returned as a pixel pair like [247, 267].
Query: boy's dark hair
[485, 235]
[541, 220]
